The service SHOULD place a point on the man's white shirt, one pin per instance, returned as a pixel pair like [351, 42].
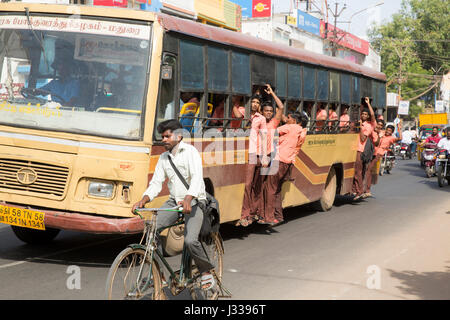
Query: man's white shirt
[407, 137]
[444, 143]
[188, 161]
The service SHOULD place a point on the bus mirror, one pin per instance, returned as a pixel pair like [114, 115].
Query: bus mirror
[166, 72]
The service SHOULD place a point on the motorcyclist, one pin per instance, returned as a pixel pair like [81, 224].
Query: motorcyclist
[444, 143]
[434, 137]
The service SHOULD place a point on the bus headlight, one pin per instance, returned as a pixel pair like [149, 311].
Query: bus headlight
[101, 189]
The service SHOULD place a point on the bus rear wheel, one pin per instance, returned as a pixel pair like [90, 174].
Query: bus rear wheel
[33, 236]
[325, 203]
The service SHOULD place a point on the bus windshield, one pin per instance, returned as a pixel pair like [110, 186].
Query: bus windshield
[73, 75]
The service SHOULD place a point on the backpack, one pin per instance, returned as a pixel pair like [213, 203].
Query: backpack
[368, 152]
[210, 208]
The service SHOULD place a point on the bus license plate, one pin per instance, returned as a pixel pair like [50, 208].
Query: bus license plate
[22, 217]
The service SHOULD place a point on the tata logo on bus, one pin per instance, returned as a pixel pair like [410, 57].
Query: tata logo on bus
[262, 8]
[26, 176]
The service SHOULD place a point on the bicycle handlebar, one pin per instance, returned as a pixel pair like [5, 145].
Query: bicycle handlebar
[137, 211]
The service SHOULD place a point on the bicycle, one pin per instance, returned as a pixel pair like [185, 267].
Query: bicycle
[136, 273]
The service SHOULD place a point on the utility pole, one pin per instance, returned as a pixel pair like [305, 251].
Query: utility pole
[334, 41]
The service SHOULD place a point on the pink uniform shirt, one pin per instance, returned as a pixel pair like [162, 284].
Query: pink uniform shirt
[271, 128]
[385, 143]
[367, 130]
[291, 138]
[259, 125]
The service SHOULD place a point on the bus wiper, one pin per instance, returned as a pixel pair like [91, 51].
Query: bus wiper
[27, 12]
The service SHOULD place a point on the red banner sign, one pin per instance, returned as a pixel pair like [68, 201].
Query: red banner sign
[111, 3]
[261, 8]
[345, 39]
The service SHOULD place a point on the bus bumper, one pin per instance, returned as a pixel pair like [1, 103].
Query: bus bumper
[88, 223]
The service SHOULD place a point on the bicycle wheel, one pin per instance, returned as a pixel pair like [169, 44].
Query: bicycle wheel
[129, 277]
[215, 252]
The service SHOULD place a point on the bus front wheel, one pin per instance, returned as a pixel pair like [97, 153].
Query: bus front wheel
[33, 236]
[325, 203]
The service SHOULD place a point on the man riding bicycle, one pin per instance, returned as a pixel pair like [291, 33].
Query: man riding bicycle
[187, 160]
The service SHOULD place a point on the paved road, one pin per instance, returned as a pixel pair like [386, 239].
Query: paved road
[392, 246]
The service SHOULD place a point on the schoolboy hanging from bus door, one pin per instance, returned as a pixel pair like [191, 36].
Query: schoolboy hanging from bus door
[292, 135]
[367, 124]
[257, 158]
[272, 140]
[271, 120]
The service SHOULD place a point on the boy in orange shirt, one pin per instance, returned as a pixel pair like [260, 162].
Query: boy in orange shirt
[367, 125]
[257, 158]
[291, 137]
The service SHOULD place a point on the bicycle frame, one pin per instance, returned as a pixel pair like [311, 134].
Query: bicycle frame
[183, 280]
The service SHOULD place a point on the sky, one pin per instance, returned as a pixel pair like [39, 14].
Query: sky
[360, 22]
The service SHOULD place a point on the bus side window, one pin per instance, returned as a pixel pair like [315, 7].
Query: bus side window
[166, 108]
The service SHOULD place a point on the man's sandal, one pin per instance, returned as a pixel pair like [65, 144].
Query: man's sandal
[207, 281]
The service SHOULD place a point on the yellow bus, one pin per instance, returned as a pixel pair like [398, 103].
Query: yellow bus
[83, 88]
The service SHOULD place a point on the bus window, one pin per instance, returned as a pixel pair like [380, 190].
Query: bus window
[76, 82]
[218, 111]
[321, 116]
[344, 118]
[217, 69]
[237, 111]
[240, 73]
[333, 118]
[322, 85]
[281, 80]
[189, 109]
[334, 86]
[308, 107]
[192, 65]
[309, 83]
[345, 89]
[294, 80]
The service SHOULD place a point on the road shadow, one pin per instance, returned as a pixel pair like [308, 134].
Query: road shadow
[424, 285]
[68, 248]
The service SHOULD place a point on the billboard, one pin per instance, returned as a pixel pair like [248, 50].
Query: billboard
[345, 39]
[246, 7]
[261, 8]
[308, 23]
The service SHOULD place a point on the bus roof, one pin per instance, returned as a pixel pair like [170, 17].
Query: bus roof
[211, 33]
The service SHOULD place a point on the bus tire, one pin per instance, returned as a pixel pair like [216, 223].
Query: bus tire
[325, 203]
[33, 236]
[172, 243]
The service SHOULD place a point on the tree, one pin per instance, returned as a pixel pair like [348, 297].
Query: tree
[413, 48]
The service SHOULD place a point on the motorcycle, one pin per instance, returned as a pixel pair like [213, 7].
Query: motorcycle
[429, 155]
[405, 151]
[443, 167]
[397, 149]
[387, 162]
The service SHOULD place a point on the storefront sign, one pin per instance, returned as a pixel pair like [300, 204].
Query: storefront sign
[308, 23]
[291, 20]
[111, 3]
[343, 38]
[403, 108]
